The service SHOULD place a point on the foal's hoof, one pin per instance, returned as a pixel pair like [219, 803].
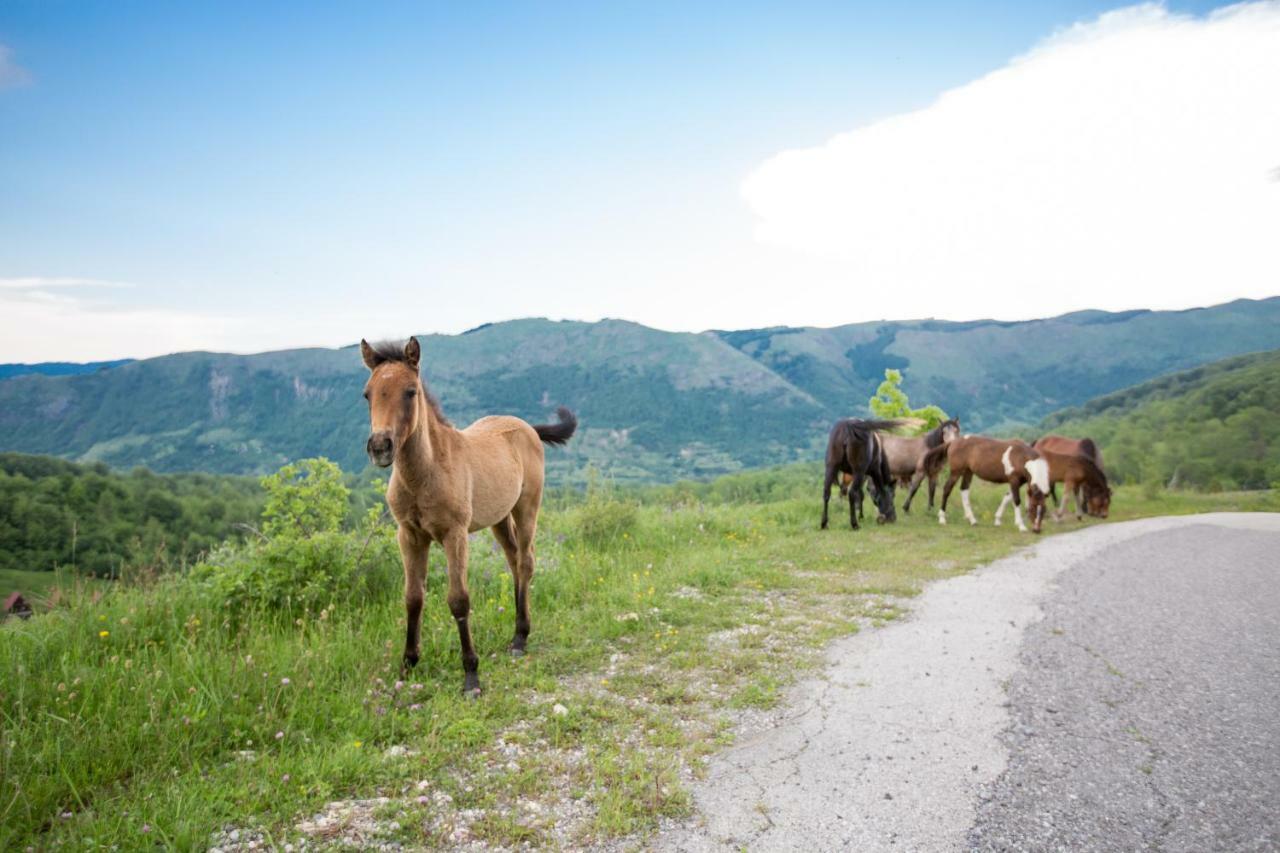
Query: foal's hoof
[471, 688]
[408, 663]
[515, 651]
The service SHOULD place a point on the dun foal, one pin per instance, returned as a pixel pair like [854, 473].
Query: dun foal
[447, 483]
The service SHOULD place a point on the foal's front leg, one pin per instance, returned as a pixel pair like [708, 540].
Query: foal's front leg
[455, 551]
[413, 553]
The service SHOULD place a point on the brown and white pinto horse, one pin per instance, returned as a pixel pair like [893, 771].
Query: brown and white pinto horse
[447, 483]
[1085, 447]
[995, 460]
[1079, 476]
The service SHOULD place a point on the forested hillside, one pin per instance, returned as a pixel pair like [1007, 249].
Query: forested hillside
[1214, 427]
[653, 405]
[55, 513]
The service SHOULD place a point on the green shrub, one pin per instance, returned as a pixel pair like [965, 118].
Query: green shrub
[303, 561]
[603, 521]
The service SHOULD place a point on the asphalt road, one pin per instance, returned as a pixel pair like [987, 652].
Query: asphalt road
[1116, 688]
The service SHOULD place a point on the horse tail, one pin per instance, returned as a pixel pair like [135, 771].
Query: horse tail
[932, 461]
[558, 433]
[860, 427]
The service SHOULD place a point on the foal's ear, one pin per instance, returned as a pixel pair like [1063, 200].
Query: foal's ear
[370, 356]
[412, 353]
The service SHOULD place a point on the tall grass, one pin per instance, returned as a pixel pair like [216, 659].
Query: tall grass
[161, 713]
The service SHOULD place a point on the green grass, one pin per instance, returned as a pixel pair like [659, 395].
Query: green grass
[152, 715]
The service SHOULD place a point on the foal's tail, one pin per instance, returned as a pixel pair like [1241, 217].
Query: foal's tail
[932, 461]
[558, 433]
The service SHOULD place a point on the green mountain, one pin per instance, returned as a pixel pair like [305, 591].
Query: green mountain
[1215, 427]
[653, 404]
[998, 375]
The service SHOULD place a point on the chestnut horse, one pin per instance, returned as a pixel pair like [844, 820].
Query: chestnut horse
[1079, 476]
[447, 483]
[1061, 444]
[995, 460]
[854, 448]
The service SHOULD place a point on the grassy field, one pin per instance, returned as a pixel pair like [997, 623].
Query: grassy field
[144, 716]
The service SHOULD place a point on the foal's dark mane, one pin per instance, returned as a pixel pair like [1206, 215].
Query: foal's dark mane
[933, 437]
[394, 351]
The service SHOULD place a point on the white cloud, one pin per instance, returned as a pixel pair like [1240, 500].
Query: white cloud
[1129, 161]
[11, 74]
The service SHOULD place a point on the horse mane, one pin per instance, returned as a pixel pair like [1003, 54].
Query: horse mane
[933, 437]
[394, 351]
[1088, 449]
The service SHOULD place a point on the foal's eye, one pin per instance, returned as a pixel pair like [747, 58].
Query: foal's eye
[365, 395]
[410, 393]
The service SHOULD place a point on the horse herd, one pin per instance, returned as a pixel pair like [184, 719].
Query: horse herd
[867, 452]
[447, 483]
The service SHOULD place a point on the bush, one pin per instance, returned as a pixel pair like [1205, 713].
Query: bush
[603, 521]
[304, 562]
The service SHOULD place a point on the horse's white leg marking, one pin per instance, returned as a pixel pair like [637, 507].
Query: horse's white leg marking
[968, 508]
[1017, 516]
[1004, 503]
[942, 517]
[1004, 460]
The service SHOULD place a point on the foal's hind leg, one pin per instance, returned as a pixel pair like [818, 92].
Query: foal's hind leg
[524, 522]
[504, 531]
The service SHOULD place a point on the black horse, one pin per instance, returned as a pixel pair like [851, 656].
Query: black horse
[854, 448]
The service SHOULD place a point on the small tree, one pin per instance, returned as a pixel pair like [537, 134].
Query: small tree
[304, 498]
[890, 401]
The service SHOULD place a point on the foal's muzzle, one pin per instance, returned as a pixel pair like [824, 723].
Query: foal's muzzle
[380, 449]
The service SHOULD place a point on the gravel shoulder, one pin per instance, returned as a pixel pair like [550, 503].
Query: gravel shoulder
[906, 738]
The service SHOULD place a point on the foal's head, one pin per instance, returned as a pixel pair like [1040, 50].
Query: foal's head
[392, 391]
[1097, 500]
[950, 430]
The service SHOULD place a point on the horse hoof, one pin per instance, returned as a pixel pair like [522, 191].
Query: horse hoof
[515, 652]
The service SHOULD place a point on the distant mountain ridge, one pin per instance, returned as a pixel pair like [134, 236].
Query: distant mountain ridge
[653, 404]
[58, 368]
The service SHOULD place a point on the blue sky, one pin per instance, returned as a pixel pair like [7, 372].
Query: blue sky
[243, 177]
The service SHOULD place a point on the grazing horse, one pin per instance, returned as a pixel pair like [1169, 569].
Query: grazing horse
[1079, 475]
[905, 455]
[854, 448]
[447, 482]
[995, 460]
[1061, 444]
